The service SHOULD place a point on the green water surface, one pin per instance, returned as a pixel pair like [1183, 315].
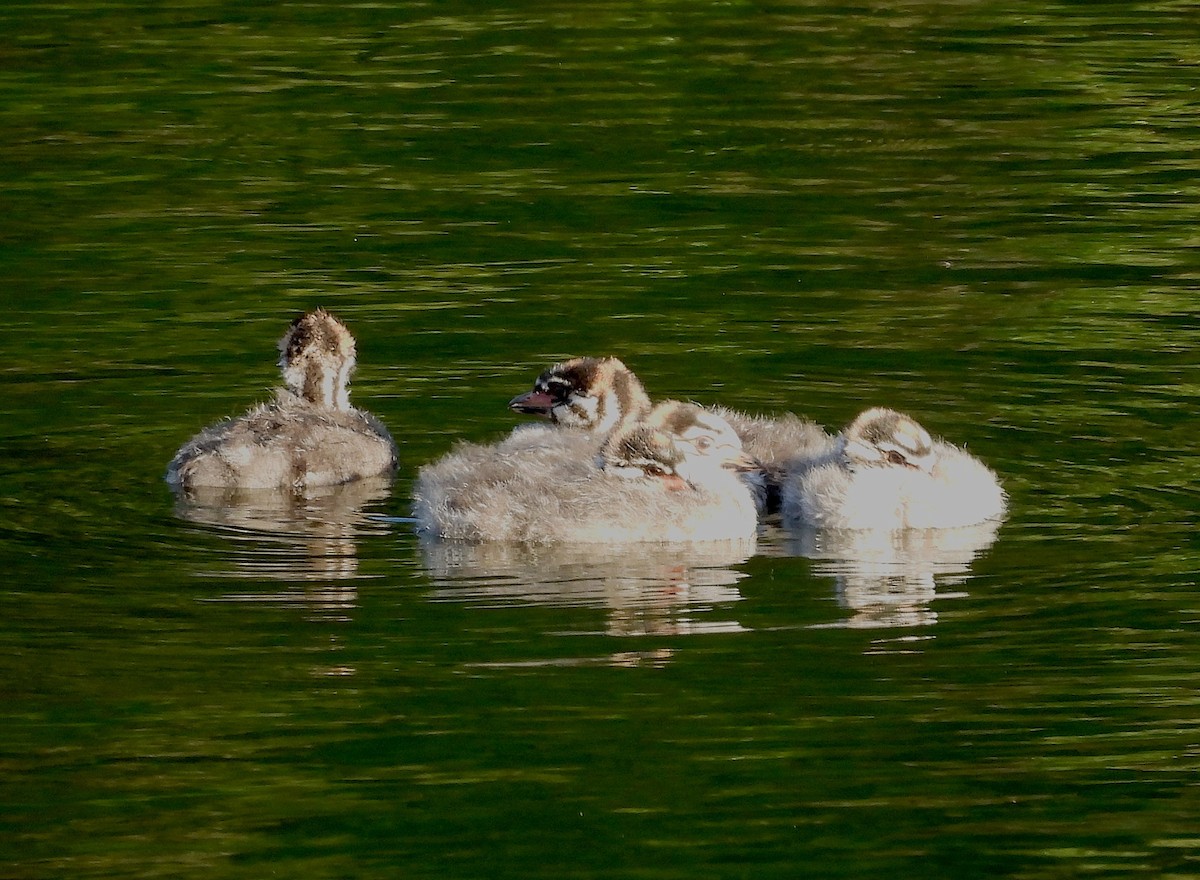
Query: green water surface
[983, 214]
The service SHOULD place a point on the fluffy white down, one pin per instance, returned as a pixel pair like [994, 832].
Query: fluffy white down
[540, 487]
[959, 491]
[774, 441]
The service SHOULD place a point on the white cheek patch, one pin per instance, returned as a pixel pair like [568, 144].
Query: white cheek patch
[328, 389]
[911, 436]
[342, 388]
[858, 452]
[625, 471]
[923, 462]
[293, 376]
[578, 412]
[605, 413]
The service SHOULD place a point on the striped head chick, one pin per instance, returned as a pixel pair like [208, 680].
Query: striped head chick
[595, 394]
[316, 357]
[681, 444]
[882, 437]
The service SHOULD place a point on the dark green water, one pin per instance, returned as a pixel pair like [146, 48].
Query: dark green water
[984, 214]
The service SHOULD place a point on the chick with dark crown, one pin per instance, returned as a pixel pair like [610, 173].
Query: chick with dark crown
[308, 436]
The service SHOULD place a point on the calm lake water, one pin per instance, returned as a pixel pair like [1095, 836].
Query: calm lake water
[983, 214]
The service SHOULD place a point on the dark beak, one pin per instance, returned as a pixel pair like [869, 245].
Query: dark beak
[532, 403]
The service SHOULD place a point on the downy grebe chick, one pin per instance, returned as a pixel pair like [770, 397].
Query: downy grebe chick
[595, 394]
[308, 436]
[682, 444]
[886, 472]
[669, 478]
[583, 399]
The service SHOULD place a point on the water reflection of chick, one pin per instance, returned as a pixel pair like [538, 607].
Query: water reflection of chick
[304, 541]
[890, 578]
[308, 436]
[281, 535]
[663, 589]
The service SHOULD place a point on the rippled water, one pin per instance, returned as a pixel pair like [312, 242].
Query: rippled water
[982, 214]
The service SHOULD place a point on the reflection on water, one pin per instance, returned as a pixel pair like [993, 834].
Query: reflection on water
[306, 540]
[309, 536]
[649, 589]
[891, 578]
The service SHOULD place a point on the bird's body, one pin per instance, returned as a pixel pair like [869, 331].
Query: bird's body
[666, 478]
[886, 472]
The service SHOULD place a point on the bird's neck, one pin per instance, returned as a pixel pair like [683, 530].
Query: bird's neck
[320, 384]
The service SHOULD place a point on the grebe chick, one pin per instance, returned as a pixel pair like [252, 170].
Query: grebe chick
[669, 478]
[595, 394]
[682, 444]
[308, 436]
[886, 472]
[582, 399]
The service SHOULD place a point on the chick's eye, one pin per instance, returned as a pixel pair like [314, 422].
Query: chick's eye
[895, 457]
[704, 443]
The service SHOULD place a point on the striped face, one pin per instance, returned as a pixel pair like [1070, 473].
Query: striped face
[680, 443]
[885, 438]
[706, 442]
[317, 357]
[594, 394]
[643, 452]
